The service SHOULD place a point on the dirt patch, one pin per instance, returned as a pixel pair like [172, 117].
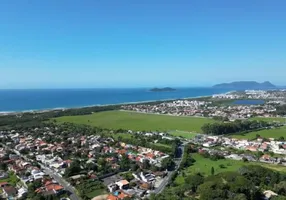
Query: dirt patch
[101, 197]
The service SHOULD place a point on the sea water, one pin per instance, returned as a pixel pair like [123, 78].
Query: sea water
[42, 99]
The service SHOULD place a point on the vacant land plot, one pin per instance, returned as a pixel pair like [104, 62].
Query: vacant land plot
[184, 134]
[204, 165]
[96, 193]
[138, 121]
[267, 133]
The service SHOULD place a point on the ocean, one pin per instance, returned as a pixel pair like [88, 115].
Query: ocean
[43, 99]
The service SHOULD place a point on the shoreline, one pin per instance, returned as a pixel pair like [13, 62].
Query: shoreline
[35, 111]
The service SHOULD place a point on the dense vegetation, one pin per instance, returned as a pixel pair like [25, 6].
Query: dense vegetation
[281, 110]
[237, 126]
[28, 119]
[248, 183]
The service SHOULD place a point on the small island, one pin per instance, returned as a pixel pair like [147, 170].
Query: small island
[165, 89]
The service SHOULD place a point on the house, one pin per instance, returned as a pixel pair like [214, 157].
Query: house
[123, 184]
[13, 156]
[251, 148]
[118, 195]
[22, 192]
[268, 194]
[266, 157]
[9, 191]
[3, 175]
[55, 187]
[3, 184]
[112, 187]
[37, 174]
[50, 188]
[147, 177]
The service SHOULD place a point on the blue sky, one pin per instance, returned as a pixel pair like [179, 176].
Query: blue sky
[104, 43]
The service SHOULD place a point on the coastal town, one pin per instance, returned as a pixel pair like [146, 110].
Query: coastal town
[212, 107]
[33, 164]
[69, 161]
[143, 100]
[39, 162]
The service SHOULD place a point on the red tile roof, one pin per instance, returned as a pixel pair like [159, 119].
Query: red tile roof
[55, 187]
[111, 197]
[3, 183]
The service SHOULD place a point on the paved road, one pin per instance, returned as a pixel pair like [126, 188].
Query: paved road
[59, 179]
[170, 174]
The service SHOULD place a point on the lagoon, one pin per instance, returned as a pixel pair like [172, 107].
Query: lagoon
[248, 102]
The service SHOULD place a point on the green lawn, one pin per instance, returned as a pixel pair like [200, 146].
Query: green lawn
[184, 134]
[267, 133]
[138, 121]
[96, 193]
[204, 165]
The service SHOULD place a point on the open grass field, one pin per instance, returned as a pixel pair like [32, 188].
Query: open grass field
[138, 121]
[204, 165]
[267, 133]
[184, 134]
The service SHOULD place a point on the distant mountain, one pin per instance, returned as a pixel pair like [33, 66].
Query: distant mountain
[165, 89]
[246, 85]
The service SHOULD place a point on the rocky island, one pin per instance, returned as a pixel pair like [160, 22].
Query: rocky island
[165, 89]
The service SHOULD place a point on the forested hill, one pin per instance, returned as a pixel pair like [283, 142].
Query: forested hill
[246, 85]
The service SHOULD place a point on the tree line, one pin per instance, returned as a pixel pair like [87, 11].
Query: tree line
[238, 126]
[36, 118]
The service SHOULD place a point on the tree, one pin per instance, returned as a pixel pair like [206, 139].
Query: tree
[212, 190]
[146, 164]
[212, 171]
[134, 167]
[281, 138]
[222, 166]
[278, 198]
[168, 164]
[280, 188]
[240, 197]
[194, 181]
[3, 166]
[124, 162]
[73, 169]
[259, 154]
